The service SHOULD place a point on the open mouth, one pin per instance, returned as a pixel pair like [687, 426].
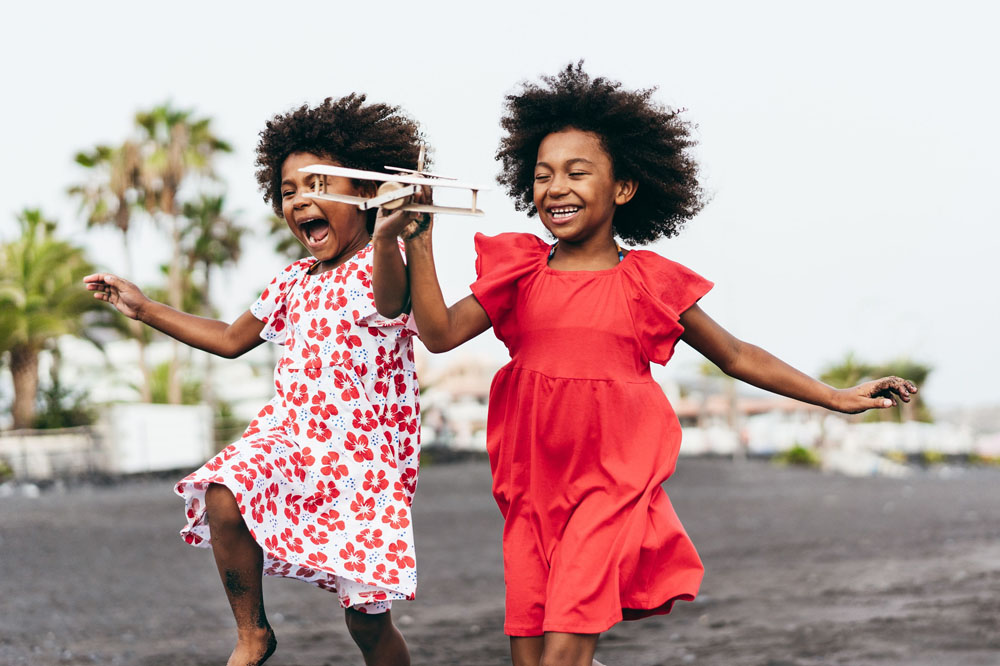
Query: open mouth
[563, 213]
[316, 230]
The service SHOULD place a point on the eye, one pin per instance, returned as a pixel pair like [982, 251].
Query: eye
[577, 174]
[287, 193]
[541, 177]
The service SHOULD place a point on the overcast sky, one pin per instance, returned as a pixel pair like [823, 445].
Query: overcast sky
[851, 150]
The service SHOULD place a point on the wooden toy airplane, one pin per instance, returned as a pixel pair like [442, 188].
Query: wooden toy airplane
[397, 189]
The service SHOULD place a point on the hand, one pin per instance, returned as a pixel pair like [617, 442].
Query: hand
[403, 224]
[125, 296]
[877, 394]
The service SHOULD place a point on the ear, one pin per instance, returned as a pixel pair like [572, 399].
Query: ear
[625, 190]
[365, 188]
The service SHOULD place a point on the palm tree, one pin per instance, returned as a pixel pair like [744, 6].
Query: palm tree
[40, 300]
[109, 198]
[211, 240]
[285, 244]
[175, 145]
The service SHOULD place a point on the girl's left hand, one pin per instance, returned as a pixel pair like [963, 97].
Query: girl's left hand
[876, 394]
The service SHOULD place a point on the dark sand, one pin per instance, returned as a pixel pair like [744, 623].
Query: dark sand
[802, 569]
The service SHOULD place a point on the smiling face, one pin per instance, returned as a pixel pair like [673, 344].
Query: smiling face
[327, 229]
[575, 189]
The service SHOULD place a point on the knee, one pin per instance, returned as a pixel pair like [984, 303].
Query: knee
[223, 511]
[365, 629]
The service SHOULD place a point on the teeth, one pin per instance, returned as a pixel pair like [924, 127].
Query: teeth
[563, 212]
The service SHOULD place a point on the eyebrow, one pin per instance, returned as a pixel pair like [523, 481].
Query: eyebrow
[568, 162]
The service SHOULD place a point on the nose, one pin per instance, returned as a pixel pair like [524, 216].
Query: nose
[558, 186]
[299, 201]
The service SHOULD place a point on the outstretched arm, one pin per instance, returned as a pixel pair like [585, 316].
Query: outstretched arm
[441, 327]
[211, 335]
[753, 365]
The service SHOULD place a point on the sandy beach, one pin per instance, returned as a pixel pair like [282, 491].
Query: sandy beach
[802, 568]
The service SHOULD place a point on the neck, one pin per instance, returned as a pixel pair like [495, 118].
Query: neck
[590, 254]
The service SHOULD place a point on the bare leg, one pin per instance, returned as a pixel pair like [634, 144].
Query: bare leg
[526, 650]
[569, 649]
[554, 649]
[380, 642]
[241, 562]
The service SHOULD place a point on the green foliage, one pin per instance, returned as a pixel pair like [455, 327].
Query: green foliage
[228, 427]
[285, 243]
[41, 299]
[190, 387]
[798, 455]
[930, 457]
[851, 372]
[6, 471]
[62, 407]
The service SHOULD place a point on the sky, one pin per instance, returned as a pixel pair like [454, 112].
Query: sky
[850, 149]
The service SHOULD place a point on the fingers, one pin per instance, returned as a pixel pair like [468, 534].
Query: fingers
[890, 386]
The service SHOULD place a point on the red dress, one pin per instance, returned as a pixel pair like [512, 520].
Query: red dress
[581, 437]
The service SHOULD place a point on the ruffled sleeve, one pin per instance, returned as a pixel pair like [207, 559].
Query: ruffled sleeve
[660, 291]
[502, 261]
[272, 306]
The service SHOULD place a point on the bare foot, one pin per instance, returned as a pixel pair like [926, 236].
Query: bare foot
[253, 650]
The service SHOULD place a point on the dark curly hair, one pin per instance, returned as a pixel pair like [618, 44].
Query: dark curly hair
[646, 141]
[358, 135]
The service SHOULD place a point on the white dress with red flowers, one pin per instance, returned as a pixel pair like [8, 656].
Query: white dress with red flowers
[325, 474]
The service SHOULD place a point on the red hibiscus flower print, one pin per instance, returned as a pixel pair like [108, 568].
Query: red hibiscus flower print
[364, 420]
[318, 431]
[360, 447]
[273, 549]
[397, 554]
[293, 508]
[375, 484]
[292, 542]
[270, 494]
[388, 455]
[244, 474]
[257, 508]
[317, 537]
[317, 560]
[354, 559]
[298, 394]
[321, 408]
[330, 466]
[397, 520]
[331, 521]
[319, 329]
[344, 336]
[370, 538]
[336, 300]
[342, 381]
[390, 577]
[363, 507]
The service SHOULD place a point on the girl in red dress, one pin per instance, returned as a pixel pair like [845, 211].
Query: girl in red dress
[319, 486]
[580, 437]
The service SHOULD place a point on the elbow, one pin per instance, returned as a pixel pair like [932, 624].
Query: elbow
[436, 344]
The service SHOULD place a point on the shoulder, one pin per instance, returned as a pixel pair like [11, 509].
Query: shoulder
[507, 242]
[647, 262]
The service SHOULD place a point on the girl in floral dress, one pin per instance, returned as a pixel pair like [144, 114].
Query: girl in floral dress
[580, 437]
[319, 486]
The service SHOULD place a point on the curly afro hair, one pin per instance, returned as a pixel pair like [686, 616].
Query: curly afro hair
[355, 134]
[647, 142]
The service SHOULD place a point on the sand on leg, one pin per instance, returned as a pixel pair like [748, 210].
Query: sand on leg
[241, 562]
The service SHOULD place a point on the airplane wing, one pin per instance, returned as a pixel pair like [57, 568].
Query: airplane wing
[360, 174]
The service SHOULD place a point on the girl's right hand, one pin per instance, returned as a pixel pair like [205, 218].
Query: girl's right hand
[390, 225]
[125, 296]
